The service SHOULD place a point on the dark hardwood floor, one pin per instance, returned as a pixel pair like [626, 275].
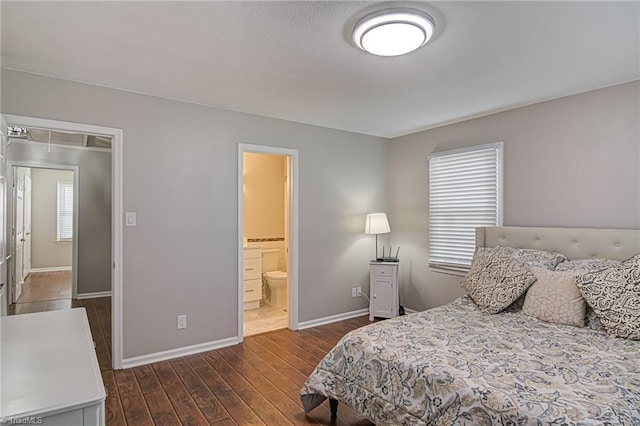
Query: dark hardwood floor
[255, 383]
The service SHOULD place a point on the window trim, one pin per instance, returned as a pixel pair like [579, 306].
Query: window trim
[457, 269]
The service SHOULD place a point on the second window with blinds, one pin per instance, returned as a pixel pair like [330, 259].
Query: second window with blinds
[65, 211]
[465, 192]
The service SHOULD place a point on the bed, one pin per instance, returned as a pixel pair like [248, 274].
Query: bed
[457, 365]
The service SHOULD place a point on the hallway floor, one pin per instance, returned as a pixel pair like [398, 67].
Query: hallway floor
[44, 291]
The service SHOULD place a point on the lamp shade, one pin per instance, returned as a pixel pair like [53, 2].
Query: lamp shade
[376, 223]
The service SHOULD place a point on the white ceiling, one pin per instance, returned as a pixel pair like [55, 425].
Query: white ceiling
[295, 61]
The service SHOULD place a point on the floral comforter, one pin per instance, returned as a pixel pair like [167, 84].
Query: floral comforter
[455, 365]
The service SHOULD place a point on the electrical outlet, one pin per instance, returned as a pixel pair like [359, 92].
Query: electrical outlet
[359, 291]
[182, 321]
[354, 292]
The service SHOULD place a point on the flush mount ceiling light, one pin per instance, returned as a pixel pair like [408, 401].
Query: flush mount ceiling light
[393, 32]
[17, 132]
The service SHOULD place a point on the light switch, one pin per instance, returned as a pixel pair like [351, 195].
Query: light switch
[130, 219]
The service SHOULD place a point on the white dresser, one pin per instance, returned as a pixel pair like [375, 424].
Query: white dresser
[383, 286]
[252, 278]
[50, 372]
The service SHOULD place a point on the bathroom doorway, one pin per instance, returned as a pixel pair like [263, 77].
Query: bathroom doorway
[267, 240]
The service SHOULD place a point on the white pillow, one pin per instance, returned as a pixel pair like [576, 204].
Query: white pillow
[555, 297]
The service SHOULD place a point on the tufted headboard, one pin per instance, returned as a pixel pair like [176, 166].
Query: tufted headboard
[575, 243]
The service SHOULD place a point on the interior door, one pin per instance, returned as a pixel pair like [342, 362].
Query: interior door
[19, 234]
[26, 264]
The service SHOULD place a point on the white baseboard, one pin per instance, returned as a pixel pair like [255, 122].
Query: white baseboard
[51, 269]
[94, 295]
[333, 318]
[178, 352]
[409, 311]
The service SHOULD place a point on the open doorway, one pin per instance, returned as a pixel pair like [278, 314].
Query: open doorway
[265, 242]
[41, 143]
[268, 240]
[44, 237]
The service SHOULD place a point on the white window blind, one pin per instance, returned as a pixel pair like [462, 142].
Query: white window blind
[465, 191]
[65, 211]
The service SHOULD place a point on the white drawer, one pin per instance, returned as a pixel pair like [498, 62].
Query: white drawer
[74, 417]
[383, 270]
[252, 253]
[252, 269]
[252, 290]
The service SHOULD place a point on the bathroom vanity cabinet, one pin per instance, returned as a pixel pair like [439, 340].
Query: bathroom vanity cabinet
[383, 287]
[252, 278]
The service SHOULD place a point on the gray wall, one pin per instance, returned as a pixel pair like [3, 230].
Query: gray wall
[94, 220]
[180, 176]
[46, 251]
[570, 162]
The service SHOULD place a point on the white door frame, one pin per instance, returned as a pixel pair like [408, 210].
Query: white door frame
[292, 256]
[11, 165]
[4, 241]
[27, 236]
[116, 211]
[17, 234]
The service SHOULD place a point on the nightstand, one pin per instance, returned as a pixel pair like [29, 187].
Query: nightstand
[383, 287]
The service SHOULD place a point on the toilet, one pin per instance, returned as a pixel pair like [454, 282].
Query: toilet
[276, 280]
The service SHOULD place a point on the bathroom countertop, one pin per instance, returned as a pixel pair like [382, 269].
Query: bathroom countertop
[264, 250]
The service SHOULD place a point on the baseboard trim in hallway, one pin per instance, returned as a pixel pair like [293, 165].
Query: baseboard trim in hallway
[51, 269]
[94, 295]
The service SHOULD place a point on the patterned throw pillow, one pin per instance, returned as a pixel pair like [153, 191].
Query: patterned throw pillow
[582, 266]
[533, 257]
[614, 293]
[496, 279]
[555, 298]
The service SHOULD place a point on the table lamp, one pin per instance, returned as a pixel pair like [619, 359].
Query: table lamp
[376, 223]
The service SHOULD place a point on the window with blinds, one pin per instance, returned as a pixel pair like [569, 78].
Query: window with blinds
[65, 211]
[465, 191]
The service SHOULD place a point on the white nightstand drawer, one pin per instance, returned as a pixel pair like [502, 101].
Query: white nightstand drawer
[252, 269]
[383, 270]
[252, 290]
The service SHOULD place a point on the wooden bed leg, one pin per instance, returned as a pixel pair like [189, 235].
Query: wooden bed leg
[333, 405]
